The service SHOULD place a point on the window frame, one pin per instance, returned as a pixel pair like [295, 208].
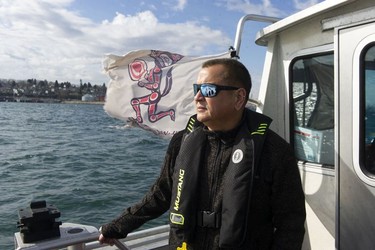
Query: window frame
[362, 111]
[310, 55]
[358, 105]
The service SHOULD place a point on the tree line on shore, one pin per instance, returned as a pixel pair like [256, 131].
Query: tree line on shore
[33, 88]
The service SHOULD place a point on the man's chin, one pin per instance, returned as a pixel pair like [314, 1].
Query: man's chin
[202, 118]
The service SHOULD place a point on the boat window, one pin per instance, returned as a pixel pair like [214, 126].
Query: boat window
[368, 108]
[312, 108]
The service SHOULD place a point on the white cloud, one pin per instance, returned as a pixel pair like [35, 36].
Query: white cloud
[301, 5]
[245, 6]
[180, 5]
[266, 7]
[143, 30]
[175, 5]
[44, 40]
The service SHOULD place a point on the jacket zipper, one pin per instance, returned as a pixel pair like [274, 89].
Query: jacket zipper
[214, 183]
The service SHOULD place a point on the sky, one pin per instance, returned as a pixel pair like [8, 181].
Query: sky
[67, 40]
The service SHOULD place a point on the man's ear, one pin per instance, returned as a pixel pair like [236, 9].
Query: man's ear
[240, 98]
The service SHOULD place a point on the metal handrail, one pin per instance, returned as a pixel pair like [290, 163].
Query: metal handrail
[80, 237]
[72, 236]
[241, 23]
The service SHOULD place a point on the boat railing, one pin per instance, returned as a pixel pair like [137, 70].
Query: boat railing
[240, 26]
[83, 237]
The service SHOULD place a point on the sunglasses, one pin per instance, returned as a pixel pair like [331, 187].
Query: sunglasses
[210, 89]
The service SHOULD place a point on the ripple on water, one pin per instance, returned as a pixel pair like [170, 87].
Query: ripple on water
[76, 157]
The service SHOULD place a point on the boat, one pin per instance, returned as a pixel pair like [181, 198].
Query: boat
[318, 85]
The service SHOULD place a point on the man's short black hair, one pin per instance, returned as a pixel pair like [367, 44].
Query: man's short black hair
[236, 73]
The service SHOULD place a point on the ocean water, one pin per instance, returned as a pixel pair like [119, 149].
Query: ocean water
[76, 157]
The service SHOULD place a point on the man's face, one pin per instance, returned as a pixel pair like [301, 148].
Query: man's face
[215, 112]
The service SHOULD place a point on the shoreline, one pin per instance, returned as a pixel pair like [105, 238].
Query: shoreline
[47, 100]
[83, 102]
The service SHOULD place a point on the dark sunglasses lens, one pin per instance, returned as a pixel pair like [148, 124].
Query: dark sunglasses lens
[208, 90]
[196, 87]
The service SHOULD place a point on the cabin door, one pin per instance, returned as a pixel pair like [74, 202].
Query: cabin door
[355, 133]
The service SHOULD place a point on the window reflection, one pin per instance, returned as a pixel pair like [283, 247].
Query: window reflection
[312, 89]
[369, 108]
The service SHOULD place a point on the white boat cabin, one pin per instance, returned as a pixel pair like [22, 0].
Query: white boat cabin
[318, 85]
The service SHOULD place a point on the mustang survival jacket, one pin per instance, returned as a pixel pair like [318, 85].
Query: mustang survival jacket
[246, 153]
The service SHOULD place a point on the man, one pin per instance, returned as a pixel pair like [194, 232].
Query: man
[228, 181]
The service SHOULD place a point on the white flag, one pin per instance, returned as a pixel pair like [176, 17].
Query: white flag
[153, 89]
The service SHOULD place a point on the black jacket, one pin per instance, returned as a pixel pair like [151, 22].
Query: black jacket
[277, 212]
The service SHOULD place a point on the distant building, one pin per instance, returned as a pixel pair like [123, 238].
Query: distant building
[88, 98]
[101, 98]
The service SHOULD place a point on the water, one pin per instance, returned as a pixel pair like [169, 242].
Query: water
[76, 157]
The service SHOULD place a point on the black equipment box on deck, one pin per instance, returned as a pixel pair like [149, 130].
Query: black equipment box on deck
[37, 222]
